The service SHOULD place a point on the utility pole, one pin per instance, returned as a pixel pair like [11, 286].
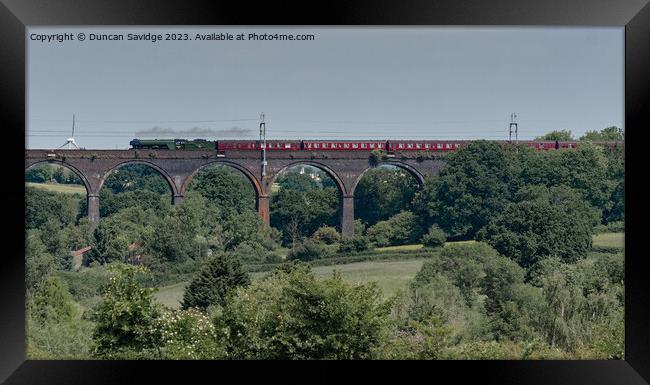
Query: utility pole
[263, 141]
[513, 124]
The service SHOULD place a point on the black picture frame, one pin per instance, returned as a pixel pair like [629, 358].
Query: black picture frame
[17, 15]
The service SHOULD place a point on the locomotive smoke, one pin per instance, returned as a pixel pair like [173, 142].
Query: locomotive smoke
[194, 131]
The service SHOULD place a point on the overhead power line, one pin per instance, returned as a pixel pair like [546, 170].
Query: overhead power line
[147, 121]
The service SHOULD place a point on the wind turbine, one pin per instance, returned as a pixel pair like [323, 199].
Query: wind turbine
[71, 142]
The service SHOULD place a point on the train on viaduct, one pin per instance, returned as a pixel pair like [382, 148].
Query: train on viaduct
[344, 161]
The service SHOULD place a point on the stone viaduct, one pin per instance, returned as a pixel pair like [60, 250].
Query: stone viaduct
[178, 167]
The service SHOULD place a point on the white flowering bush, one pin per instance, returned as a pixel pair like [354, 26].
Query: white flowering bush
[188, 335]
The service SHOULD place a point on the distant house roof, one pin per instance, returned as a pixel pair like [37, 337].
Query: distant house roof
[79, 252]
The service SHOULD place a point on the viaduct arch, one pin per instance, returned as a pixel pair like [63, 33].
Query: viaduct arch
[179, 167]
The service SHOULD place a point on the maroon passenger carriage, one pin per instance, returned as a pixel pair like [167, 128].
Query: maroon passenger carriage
[390, 146]
[337, 145]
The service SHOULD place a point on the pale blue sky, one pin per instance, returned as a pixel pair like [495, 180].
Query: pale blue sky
[352, 82]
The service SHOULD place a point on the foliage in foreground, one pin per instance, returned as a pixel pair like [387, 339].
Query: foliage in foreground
[221, 275]
[292, 315]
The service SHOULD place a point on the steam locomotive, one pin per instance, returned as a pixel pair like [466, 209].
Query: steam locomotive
[335, 145]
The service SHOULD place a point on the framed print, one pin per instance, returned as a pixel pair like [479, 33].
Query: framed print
[441, 187]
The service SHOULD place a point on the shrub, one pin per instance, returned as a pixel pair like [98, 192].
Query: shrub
[188, 335]
[376, 156]
[354, 244]
[400, 229]
[434, 238]
[250, 252]
[86, 283]
[52, 302]
[381, 234]
[616, 227]
[327, 235]
[292, 315]
[359, 227]
[417, 341]
[124, 319]
[219, 277]
[306, 251]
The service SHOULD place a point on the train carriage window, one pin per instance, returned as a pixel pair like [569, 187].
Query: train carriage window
[427, 145]
[448, 145]
[410, 145]
[346, 145]
[372, 145]
[355, 145]
[401, 145]
[287, 145]
[363, 145]
[418, 146]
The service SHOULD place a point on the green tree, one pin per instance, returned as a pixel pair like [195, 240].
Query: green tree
[531, 230]
[52, 302]
[298, 214]
[561, 135]
[111, 203]
[114, 235]
[244, 227]
[58, 175]
[56, 328]
[584, 169]
[38, 262]
[221, 275]
[476, 184]
[293, 180]
[382, 193]
[292, 315]
[615, 209]
[132, 177]
[612, 133]
[125, 317]
[225, 188]
[38, 174]
[42, 206]
[400, 229]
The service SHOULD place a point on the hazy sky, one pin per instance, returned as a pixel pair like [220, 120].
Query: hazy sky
[353, 82]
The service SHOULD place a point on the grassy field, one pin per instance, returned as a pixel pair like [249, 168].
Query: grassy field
[417, 246]
[389, 275]
[610, 239]
[171, 295]
[59, 188]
